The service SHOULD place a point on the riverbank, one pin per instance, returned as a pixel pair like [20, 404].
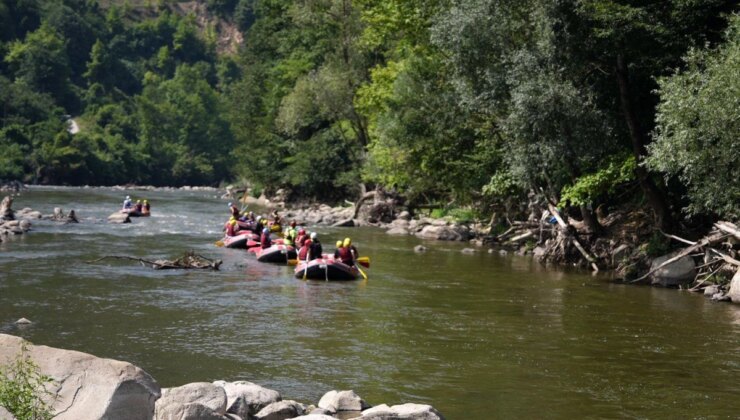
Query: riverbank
[79, 385]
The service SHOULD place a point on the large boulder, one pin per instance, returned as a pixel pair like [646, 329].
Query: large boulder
[734, 292]
[402, 412]
[397, 231]
[444, 233]
[682, 271]
[246, 398]
[87, 387]
[119, 217]
[342, 401]
[281, 410]
[195, 401]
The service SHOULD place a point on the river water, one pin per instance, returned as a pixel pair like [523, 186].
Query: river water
[477, 336]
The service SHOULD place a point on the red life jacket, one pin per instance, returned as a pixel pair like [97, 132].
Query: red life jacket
[345, 255]
[303, 253]
[230, 231]
[265, 241]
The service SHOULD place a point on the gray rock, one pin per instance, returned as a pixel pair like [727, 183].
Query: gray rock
[538, 251]
[680, 272]
[402, 412]
[342, 401]
[344, 223]
[420, 248]
[404, 215]
[397, 231]
[281, 410]
[25, 225]
[23, 321]
[119, 217]
[444, 233]
[88, 387]
[5, 414]
[720, 297]
[468, 251]
[246, 398]
[321, 411]
[198, 400]
[711, 290]
[400, 223]
[316, 417]
[734, 291]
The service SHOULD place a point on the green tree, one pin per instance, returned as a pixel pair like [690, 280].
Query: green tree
[697, 127]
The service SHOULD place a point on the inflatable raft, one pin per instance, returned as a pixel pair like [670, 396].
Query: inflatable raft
[326, 269]
[240, 240]
[277, 253]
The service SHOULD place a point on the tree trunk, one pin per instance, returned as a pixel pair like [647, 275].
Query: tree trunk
[651, 191]
[591, 222]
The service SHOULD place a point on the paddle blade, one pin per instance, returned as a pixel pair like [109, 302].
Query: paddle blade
[219, 243]
[293, 262]
[364, 261]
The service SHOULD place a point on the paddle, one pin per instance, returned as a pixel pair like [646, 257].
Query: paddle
[364, 276]
[305, 268]
[219, 243]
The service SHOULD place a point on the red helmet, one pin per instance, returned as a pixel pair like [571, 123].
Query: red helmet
[292, 223]
[301, 231]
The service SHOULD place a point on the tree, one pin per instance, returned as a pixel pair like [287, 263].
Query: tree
[697, 127]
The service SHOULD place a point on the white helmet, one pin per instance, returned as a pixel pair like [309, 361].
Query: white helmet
[313, 235]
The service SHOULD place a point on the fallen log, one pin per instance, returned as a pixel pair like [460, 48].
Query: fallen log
[728, 227]
[188, 261]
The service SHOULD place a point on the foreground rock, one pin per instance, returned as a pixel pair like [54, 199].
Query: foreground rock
[335, 401]
[246, 398]
[281, 410]
[87, 387]
[199, 400]
[402, 412]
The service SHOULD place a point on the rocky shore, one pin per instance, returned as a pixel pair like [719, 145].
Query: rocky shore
[82, 386]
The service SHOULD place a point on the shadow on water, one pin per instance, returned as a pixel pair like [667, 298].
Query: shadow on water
[477, 336]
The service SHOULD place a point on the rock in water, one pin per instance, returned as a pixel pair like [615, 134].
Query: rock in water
[24, 321]
[6, 212]
[118, 218]
[676, 273]
[734, 292]
[281, 410]
[88, 387]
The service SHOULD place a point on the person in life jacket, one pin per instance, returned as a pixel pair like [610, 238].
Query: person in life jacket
[301, 237]
[290, 234]
[287, 237]
[336, 251]
[138, 207]
[234, 210]
[305, 250]
[127, 204]
[147, 207]
[348, 252]
[265, 240]
[231, 227]
[316, 250]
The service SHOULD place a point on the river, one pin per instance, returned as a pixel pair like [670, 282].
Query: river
[477, 336]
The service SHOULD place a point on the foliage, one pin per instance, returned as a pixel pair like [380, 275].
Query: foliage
[22, 389]
[697, 132]
[588, 188]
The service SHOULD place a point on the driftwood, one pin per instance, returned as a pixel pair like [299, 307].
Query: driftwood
[576, 242]
[188, 261]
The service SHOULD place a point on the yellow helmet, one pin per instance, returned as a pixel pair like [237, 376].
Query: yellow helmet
[138, 201]
[146, 201]
[339, 244]
[347, 241]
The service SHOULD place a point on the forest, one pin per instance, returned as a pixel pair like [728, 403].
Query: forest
[472, 104]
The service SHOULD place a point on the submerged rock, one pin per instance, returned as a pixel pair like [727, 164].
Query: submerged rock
[23, 321]
[420, 248]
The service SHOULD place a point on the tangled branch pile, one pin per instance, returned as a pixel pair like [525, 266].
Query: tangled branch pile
[189, 260]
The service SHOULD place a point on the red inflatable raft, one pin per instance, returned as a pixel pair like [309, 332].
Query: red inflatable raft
[240, 240]
[277, 253]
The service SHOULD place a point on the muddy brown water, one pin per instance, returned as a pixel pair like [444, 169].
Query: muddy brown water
[477, 336]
